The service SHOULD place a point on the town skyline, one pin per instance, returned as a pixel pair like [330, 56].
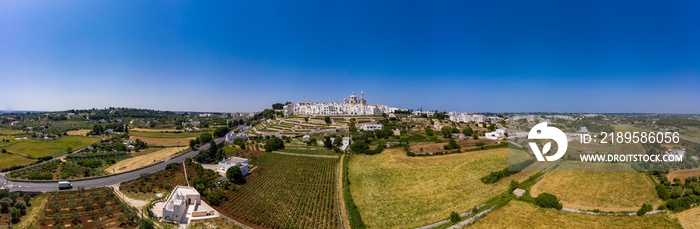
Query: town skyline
[592, 56]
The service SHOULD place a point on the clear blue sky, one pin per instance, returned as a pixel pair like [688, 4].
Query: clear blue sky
[500, 56]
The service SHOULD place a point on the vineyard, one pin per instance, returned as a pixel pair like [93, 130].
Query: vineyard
[87, 208]
[287, 192]
[77, 165]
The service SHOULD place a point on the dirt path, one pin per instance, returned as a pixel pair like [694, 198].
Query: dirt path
[341, 199]
[133, 202]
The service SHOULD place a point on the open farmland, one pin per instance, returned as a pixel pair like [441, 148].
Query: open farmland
[143, 160]
[392, 190]
[90, 208]
[163, 141]
[164, 134]
[8, 160]
[41, 148]
[287, 192]
[82, 132]
[518, 214]
[682, 174]
[603, 190]
[689, 218]
[4, 131]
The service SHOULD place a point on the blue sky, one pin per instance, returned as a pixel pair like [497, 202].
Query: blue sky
[499, 56]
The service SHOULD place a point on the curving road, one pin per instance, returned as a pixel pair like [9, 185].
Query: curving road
[102, 181]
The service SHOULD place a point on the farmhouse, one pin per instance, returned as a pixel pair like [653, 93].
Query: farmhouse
[371, 126]
[235, 161]
[233, 136]
[184, 204]
[495, 135]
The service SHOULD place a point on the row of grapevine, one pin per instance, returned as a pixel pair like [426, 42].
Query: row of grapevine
[289, 192]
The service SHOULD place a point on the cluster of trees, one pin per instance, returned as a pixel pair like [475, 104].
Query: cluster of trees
[211, 155]
[546, 200]
[678, 195]
[363, 148]
[99, 129]
[273, 143]
[10, 202]
[220, 132]
[494, 177]
[451, 144]
[203, 138]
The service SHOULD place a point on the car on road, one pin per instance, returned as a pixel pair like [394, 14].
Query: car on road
[63, 185]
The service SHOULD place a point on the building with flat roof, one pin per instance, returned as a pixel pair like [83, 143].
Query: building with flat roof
[242, 163]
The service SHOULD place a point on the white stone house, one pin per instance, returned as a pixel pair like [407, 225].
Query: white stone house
[178, 202]
[371, 126]
[242, 163]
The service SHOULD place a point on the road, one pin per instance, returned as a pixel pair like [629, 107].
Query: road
[102, 181]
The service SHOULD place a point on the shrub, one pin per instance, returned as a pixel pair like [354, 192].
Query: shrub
[644, 209]
[454, 217]
[546, 200]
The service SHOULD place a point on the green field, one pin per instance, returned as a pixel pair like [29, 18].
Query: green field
[164, 134]
[41, 148]
[309, 151]
[7, 160]
[392, 190]
[518, 214]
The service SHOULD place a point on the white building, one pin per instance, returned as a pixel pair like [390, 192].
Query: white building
[460, 117]
[427, 113]
[346, 143]
[495, 135]
[235, 161]
[371, 127]
[351, 106]
[230, 136]
[180, 199]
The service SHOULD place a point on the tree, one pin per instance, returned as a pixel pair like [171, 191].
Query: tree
[4, 205]
[644, 209]
[546, 200]
[234, 173]
[327, 120]
[676, 192]
[446, 132]
[468, 131]
[15, 215]
[26, 198]
[328, 143]
[451, 144]
[278, 106]
[205, 137]
[13, 196]
[220, 132]
[97, 222]
[429, 131]
[274, 143]
[146, 224]
[351, 127]
[454, 217]
[4, 150]
[21, 205]
[475, 135]
[663, 192]
[338, 141]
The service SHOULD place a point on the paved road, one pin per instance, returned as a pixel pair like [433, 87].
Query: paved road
[103, 181]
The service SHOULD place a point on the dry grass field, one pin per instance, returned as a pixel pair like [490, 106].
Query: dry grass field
[682, 174]
[518, 214]
[603, 190]
[78, 132]
[143, 160]
[155, 130]
[690, 219]
[4, 131]
[392, 190]
[164, 141]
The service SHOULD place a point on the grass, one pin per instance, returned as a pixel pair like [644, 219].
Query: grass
[689, 218]
[82, 132]
[603, 190]
[518, 214]
[4, 131]
[143, 160]
[392, 190]
[164, 134]
[212, 223]
[41, 148]
[30, 220]
[7, 160]
[317, 151]
[164, 141]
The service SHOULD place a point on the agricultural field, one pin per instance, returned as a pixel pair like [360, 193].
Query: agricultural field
[146, 187]
[81, 132]
[518, 214]
[167, 142]
[321, 151]
[8, 160]
[89, 208]
[392, 190]
[439, 147]
[682, 174]
[164, 134]
[602, 190]
[143, 160]
[689, 218]
[287, 192]
[41, 148]
[77, 165]
[4, 131]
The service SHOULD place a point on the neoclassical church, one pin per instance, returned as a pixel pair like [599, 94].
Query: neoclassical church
[351, 106]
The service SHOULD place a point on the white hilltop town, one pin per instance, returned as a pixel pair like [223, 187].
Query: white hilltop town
[351, 106]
